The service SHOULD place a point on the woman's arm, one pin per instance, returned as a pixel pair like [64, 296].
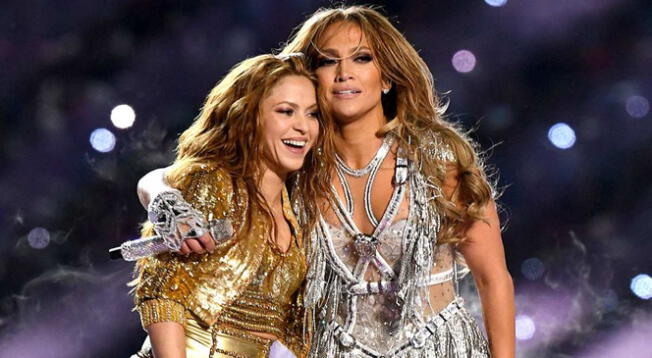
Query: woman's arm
[152, 184]
[484, 253]
[168, 339]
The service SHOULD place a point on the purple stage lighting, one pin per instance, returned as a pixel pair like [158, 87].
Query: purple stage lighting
[642, 286]
[102, 140]
[637, 106]
[496, 3]
[525, 327]
[562, 136]
[38, 238]
[464, 61]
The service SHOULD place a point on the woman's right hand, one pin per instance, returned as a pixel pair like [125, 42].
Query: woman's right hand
[152, 184]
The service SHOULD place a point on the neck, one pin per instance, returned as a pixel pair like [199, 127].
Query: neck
[356, 141]
[271, 186]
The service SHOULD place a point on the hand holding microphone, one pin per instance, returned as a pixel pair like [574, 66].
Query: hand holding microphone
[179, 227]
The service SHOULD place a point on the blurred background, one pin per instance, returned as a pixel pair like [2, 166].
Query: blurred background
[93, 95]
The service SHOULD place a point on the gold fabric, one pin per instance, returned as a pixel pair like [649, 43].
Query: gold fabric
[245, 284]
[228, 343]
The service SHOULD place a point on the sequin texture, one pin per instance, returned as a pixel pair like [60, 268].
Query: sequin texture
[415, 313]
[245, 283]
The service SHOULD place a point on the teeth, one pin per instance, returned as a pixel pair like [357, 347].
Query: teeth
[295, 143]
[347, 92]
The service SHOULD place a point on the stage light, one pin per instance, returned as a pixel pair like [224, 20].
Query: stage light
[102, 140]
[123, 116]
[637, 106]
[464, 61]
[496, 3]
[525, 327]
[532, 268]
[38, 238]
[642, 286]
[561, 135]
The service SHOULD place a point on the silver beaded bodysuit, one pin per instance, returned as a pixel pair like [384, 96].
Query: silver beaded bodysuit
[370, 292]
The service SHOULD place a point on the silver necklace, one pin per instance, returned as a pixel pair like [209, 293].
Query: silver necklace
[347, 190]
[375, 161]
[365, 245]
[400, 177]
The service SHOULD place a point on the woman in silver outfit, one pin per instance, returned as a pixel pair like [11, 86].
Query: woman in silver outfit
[411, 212]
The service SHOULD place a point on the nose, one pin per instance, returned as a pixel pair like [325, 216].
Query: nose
[343, 71]
[301, 123]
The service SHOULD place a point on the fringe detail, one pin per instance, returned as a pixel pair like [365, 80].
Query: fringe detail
[317, 271]
[418, 255]
[458, 338]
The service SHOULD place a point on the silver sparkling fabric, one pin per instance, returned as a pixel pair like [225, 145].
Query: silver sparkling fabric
[221, 231]
[391, 323]
[137, 249]
[174, 219]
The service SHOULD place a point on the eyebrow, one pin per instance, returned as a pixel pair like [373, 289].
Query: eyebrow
[294, 105]
[353, 50]
[291, 104]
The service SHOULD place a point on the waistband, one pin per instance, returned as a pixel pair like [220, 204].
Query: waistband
[376, 287]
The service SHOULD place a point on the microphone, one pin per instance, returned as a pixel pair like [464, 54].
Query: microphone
[221, 230]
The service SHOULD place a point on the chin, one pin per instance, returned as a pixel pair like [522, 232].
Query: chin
[292, 166]
[348, 112]
[345, 116]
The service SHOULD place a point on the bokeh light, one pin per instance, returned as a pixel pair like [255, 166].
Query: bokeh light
[525, 327]
[532, 268]
[102, 140]
[577, 219]
[561, 135]
[38, 238]
[464, 61]
[637, 106]
[123, 116]
[496, 3]
[642, 286]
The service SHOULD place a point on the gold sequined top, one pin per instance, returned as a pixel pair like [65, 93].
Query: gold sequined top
[246, 283]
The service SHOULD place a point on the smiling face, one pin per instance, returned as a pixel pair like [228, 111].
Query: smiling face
[290, 123]
[350, 77]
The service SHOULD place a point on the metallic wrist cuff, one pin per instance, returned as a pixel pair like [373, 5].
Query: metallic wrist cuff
[167, 211]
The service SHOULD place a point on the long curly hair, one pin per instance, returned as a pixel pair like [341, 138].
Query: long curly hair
[228, 133]
[414, 112]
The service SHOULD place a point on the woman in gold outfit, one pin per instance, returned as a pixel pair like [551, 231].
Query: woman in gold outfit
[258, 126]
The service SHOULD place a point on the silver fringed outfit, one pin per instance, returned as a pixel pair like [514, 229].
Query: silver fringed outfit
[369, 293]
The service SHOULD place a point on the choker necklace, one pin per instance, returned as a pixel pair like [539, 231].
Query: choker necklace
[375, 161]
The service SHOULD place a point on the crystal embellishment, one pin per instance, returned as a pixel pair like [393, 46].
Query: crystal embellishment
[365, 245]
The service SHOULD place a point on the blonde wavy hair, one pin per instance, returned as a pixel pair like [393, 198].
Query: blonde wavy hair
[415, 113]
[228, 133]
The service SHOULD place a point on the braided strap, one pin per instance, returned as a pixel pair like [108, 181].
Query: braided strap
[174, 219]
